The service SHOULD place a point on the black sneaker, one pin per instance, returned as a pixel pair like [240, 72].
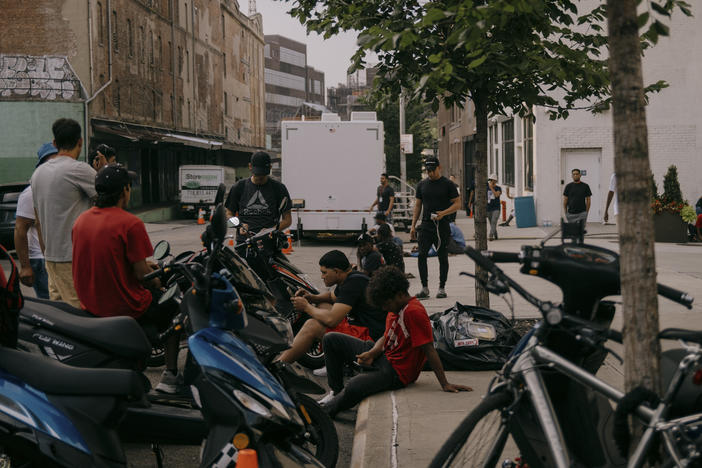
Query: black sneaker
[423, 294]
[441, 294]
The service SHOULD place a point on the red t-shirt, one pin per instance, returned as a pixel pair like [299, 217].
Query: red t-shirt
[405, 332]
[106, 243]
[699, 221]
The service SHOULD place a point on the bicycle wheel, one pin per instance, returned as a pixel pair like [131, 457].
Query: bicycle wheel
[479, 440]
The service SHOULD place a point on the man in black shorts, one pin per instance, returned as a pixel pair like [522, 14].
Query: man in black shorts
[437, 197]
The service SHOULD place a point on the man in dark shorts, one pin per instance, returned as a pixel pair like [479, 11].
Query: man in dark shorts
[257, 200]
[393, 361]
[384, 198]
[344, 310]
[110, 248]
[576, 199]
[369, 259]
[437, 197]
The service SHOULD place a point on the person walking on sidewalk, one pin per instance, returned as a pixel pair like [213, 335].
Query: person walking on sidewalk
[384, 198]
[576, 199]
[437, 197]
[493, 205]
[32, 266]
[62, 189]
[392, 362]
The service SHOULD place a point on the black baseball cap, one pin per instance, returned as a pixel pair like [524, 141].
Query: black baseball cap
[113, 178]
[431, 162]
[260, 163]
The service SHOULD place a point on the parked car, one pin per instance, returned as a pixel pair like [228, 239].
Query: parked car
[9, 193]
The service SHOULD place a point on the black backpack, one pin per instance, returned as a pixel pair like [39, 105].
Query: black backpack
[11, 302]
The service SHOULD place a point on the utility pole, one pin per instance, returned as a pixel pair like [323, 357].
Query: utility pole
[403, 161]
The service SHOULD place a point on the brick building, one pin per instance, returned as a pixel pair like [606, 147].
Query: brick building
[290, 84]
[167, 82]
[346, 98]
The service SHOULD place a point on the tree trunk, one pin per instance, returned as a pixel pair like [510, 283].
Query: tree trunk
[482, 297]
[635, 223]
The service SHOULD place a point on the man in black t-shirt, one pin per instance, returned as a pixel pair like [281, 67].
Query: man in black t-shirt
[388, 248]
[576, 199]
[344, 310]
[257, 200]
[384, 198]
[369, 259]
[437, 197]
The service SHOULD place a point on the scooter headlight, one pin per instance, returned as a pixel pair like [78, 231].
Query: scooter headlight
[251, 403]
[282, 326]
[261, 404]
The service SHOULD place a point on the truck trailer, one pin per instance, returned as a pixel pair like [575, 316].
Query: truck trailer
[331, 169]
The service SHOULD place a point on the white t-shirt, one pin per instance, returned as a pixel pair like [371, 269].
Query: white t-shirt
[25, 209]
[613, 188]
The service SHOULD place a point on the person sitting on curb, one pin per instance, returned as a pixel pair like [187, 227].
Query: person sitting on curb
[342, 310]
[395, 360]
[369, 259]
[390, 251]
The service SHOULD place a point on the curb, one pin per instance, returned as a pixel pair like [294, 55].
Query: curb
[358, 452]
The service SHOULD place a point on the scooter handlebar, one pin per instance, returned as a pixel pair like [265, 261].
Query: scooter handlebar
[677, 296]
[153, 274]
[502, 257]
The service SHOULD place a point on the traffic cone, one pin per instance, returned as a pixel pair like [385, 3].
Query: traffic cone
[247, 458]
[287, 250]
[201, 216]
[231, 242]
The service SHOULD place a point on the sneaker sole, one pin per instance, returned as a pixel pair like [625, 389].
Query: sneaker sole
[167, 388]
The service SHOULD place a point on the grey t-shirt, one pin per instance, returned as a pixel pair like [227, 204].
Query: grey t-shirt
[62, 189]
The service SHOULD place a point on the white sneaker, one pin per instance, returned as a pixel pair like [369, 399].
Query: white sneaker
[326, 398]
[321, 372]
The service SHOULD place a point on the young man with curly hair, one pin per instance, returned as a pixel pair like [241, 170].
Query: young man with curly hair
[396, 359]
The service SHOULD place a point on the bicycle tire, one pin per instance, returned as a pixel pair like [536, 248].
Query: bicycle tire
[486, 423]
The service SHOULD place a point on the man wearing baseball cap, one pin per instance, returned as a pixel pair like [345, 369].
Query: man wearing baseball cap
[437, 198]
[257, 200]
[29, 252]
[110, 248]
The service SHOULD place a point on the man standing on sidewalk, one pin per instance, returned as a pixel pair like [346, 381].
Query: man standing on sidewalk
[31, 258]
[62, 189]
[576, 199]
[493, 205]
[385, 198]
[437, 197]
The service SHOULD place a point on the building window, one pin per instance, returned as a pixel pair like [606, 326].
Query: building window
[159, 52]
[115, 38]
[224, 63]
[116, 97]
[529, 152]
[180, 60]
[151, 48]
[130, 37]
[170, 57]
[100, 24]
[187, 64]
[190, 116]
[173, 113]
[224, 31]
[508, 152]
[186, 16]
[142, 41]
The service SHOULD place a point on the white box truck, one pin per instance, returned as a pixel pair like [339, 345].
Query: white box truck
[332, 169]
[198, 186]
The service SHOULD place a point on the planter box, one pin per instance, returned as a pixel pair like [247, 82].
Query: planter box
[669, 227]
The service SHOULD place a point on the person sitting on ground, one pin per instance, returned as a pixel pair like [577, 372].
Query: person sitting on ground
[390, 251]
[110, 248]
[396, 359]
[457, 243]
[369, 259]
[343, 310]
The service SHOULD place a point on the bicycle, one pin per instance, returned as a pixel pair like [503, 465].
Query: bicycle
[539, 393]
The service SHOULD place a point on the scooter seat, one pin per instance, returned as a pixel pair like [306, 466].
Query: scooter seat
[118, 335]
[54, 378]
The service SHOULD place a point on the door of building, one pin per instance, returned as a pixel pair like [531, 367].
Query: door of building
[588, 160]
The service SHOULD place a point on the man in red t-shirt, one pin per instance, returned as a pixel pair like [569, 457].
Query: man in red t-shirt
[110, 248]
[396, 359]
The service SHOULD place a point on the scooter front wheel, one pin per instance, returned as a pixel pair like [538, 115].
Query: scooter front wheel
[322, 439]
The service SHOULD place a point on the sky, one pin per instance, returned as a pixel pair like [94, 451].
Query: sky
[332, 56]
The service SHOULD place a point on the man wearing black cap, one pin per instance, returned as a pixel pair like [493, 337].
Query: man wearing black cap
[437, 197]
[369, 259]
[110, 248]
[258, 200]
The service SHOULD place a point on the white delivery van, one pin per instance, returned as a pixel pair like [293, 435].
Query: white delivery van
[198, 186]
[332, 170]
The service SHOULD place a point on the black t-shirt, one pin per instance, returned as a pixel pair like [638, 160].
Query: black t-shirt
[257, 205]
[576, 194]
[384, 194]
[352, 292]
[371, 262]
[392, 253]
[435, 195]
[493, 201]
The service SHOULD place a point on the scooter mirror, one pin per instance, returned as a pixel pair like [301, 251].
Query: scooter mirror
[161, 250]
[169, 294]
[233, 222]
[219, 223]
[219, 198]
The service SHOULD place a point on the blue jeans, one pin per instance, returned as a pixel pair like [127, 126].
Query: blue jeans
[41, 278]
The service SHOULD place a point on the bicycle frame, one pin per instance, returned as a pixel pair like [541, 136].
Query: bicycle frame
[535, 355]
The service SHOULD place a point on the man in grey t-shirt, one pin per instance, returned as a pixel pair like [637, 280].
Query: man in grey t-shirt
[63, 189]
